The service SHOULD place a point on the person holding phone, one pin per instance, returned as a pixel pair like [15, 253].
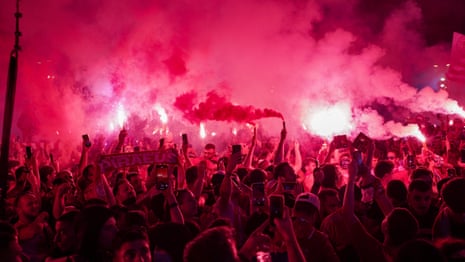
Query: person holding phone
[393, 156]
[32, 226]
[258, 245]
[224, 206]
[30, 170]
[314, 244]
[25, 181]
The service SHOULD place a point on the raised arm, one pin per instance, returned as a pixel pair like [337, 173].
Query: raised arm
[286, 229]
[324, 156]
[83, 162]
[175, 211]
[348, 204]
[249, 158]
[359, 237]
[59, 200]
[184, 151]
[297, 165]
[102, 181]
[225, 191]
[181, 179]
[279, 154]
[224, 200]
[381, 198]
[370, 153]
[54, 162]
[121, 138]
[198, 184]
[33, 176]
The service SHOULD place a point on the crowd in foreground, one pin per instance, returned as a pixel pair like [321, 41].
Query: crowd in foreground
[361, 200]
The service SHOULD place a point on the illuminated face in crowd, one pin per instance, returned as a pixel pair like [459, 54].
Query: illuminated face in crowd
[138, 183]
[29, 206]
[391, 156]
[344, 161]
[310, 167]
[125, 192]
[329, 205]
[420, 202]
[137, 250]
[209, 153]
[303, 222]
[169, 143]
[374, 161]
[187, 203]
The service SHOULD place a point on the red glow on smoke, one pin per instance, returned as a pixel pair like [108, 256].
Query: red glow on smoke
[216, 107]
[176, 64]
[254, 59]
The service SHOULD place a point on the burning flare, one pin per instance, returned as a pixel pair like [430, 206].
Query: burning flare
[162, 113]
[121, 115]
[329, 121]
[202, 132]
[399, 130]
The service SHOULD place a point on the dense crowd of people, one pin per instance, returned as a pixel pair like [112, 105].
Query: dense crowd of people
[362, 200]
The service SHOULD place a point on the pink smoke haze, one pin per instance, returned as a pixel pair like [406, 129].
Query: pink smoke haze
[95, 66]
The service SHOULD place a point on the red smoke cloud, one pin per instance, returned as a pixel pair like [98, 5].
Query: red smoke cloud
[216, 107]
[82, 65]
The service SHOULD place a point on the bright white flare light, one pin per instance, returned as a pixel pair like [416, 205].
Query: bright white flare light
[202, 131]
[454, 108]
[162, 113]
[234, 131]
[121, 115]
[418, 134]
[330, 121]
[411, 130]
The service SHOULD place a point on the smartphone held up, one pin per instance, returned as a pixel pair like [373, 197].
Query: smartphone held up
[162, 177]
[258, 194]
[276, 207]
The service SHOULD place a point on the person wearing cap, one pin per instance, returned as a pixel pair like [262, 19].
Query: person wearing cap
[314, 244]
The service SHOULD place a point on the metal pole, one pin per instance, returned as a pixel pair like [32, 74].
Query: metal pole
[9, 108]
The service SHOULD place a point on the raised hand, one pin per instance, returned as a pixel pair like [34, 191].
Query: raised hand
[122, 136]
[62, 190]
[257, 240]
[283, 131]
[284, 225]
[353, 170]
[234, 160]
